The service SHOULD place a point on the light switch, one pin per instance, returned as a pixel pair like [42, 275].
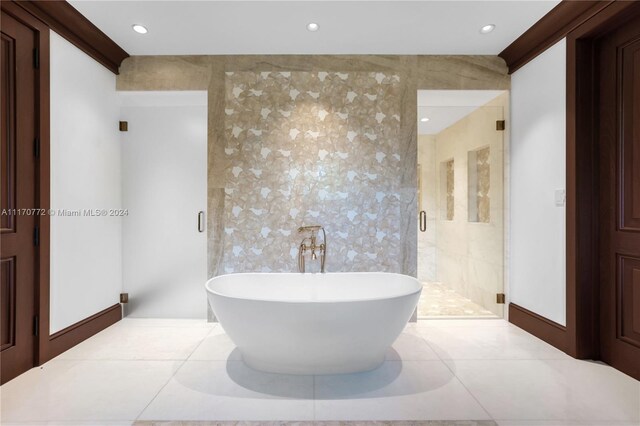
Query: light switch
[561, 197]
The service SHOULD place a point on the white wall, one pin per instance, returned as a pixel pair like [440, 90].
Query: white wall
[537, 245]
[86, 271]
[164, 166]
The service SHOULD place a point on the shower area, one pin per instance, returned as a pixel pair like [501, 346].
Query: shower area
[461, 202]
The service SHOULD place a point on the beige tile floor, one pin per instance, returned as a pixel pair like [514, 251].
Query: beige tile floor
[437, 301]
[181, 372]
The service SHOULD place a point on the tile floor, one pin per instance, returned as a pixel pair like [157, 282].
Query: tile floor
[439, 301]
[185, 372]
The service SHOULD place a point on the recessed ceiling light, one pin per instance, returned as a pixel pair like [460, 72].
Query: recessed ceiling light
[312, 26]
[140, 29]
[424, 119]
[487, 29]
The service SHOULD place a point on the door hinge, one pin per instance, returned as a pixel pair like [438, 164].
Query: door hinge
[124, 297]
[36, 325]
[500, 298]
[36, 147]
[123, 126]
[500, 125]
[36, 58]
[36, 236]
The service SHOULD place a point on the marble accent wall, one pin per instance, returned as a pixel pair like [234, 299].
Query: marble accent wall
[312, 148]
[415, 73]
[470, 253]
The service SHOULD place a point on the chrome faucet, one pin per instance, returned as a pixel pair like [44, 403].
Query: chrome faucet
[311, 243]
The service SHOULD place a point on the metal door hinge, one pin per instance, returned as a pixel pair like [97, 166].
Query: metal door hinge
[36, 326]
[36, 58]
[124, 297]
[500, 125]
[123, 126]
[36, 147]
[500, 298]
[36, 236]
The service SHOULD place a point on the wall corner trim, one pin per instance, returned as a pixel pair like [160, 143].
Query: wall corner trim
[551, 28]
[65, 20]
[541, 327]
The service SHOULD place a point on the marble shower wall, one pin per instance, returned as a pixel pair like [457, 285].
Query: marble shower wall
[415, 73]
[312, 148]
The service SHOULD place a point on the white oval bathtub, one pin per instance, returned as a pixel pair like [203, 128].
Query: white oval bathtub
[313, 323]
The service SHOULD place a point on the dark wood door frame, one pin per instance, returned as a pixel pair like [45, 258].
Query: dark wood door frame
[41, 32]
[618, 64]
[583, 289]
[19, 192]
[50, 345]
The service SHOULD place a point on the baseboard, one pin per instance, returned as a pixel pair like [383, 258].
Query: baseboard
[541, 327]
[68, 337]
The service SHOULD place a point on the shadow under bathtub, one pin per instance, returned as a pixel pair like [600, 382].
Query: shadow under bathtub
[395, 377]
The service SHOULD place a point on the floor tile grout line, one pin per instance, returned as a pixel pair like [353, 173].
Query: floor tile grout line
[468, 391]
[442, 360]
[160, 390]
[214, 327]
[173, 375]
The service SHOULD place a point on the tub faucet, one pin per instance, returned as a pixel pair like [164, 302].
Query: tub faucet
[311, 243]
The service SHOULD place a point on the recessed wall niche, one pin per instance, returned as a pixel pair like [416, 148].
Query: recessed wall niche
[447, 187]
[479, 168]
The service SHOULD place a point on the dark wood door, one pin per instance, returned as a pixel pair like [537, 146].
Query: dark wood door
[618, 64]
[17, 158]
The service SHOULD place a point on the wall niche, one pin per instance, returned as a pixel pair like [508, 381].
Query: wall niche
[447, 187]
[479, 202]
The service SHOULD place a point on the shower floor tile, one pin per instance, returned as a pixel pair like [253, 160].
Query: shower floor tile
[437, 301]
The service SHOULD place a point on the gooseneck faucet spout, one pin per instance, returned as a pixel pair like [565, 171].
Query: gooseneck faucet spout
[310, 243]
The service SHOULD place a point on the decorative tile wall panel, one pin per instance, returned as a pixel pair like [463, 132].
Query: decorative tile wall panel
[312, 148]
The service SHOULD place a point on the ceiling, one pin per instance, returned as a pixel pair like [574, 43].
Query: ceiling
[446, 107]
[346, 27]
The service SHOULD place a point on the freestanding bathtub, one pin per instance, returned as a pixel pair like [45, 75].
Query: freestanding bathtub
[313, 323]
